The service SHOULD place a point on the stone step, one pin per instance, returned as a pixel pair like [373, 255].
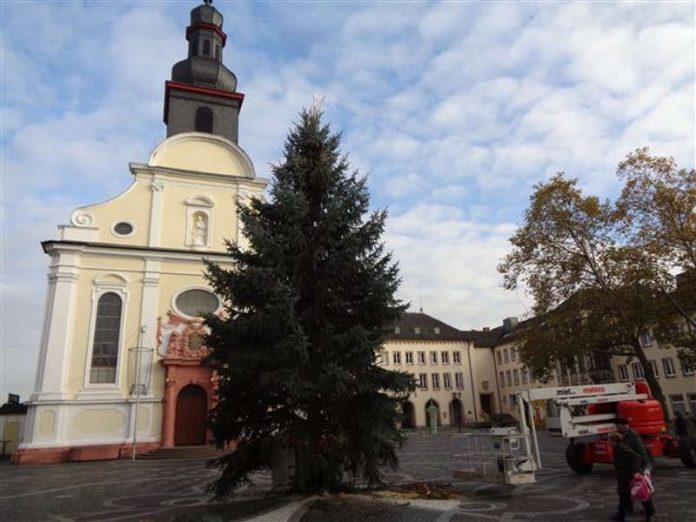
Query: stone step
[183, 452]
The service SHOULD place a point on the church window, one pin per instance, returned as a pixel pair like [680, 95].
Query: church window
[206, 47]
[123, 228]
[204, 119]
[107, 331]
[196, 302]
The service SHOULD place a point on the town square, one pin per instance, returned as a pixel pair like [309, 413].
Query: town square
[333, 261]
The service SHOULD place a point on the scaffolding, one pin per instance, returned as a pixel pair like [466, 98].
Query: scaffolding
[500, 456]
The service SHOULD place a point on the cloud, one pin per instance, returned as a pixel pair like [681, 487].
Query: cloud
[454, 109]
[449, 264]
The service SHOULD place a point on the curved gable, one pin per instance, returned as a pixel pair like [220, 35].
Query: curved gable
[202, 152]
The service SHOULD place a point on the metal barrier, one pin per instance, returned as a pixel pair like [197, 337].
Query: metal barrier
[501, 456]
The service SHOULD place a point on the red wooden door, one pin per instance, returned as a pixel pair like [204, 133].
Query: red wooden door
[191, 414]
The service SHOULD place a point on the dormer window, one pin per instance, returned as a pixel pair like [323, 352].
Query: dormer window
[416, 330]
[397, 329]
[436, 330]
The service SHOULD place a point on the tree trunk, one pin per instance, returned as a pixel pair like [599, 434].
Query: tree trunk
[651, 379]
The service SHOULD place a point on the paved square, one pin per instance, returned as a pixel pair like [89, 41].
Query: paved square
[164, 490]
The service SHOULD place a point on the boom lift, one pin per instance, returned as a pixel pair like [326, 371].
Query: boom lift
[587, 415]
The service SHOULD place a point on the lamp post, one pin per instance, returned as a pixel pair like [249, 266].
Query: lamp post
[140, 370]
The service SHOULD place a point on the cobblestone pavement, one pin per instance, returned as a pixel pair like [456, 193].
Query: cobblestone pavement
[158, 491]
[144, 490]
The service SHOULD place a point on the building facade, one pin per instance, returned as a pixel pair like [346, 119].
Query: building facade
[452, 369]
[677, 381]
[126, 278]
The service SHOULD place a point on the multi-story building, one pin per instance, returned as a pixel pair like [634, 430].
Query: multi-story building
[678, 382]
[452, 369]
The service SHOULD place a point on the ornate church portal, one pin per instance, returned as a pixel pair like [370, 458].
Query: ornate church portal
[189, 384]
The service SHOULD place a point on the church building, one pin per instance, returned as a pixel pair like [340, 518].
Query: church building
[121, 351]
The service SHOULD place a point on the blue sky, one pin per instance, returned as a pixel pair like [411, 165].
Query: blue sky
[454, 110]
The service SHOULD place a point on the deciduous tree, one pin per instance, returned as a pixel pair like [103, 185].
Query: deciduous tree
[657, 215]
[602, 274]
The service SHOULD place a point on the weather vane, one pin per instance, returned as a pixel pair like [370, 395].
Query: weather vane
[207, 2]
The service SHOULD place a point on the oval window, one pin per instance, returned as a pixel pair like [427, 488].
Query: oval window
[123, 228]
[197, 302]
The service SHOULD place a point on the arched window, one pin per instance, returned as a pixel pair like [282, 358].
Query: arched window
[107, 330]
[206, 47]
[204, 119]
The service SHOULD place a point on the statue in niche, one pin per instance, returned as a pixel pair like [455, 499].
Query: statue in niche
[200, 230]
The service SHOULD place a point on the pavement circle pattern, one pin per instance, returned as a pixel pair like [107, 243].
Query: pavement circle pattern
[158, 491]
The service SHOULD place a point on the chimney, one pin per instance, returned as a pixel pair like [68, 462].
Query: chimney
[486, 329]
[509, 324]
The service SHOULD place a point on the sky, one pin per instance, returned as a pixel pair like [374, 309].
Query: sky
[454, 111]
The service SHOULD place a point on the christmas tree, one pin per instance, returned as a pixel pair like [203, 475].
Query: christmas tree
[309, 301]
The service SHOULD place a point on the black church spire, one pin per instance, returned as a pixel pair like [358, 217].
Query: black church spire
[201, 95]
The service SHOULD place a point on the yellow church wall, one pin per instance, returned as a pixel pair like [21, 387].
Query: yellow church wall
[180, 203]
[47, 423]
[124, 276]
[205, 153]
[90, 421]
[131, 206]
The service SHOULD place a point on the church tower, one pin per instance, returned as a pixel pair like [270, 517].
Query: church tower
[202, 96]
[121, 364]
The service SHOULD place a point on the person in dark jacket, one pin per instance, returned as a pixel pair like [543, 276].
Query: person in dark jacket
[680, 424]
[626, 463]
[633, 441]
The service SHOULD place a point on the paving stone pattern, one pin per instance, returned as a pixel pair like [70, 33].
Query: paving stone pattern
[158, 491]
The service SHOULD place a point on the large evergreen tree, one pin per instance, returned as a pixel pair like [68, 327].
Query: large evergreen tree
[307, 306]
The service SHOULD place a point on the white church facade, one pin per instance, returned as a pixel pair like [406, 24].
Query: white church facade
[128, 273]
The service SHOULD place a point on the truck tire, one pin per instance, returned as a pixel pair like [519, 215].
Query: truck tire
[687, 451]
[575, 453]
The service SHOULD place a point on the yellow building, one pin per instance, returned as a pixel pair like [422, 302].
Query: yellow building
[453, 370]
[678, 382]
[128, 272]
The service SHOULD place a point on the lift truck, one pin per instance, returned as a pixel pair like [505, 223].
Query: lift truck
[587, 416]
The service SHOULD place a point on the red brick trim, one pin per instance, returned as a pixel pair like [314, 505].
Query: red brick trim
[81, 453]
[211, 27]
[40, 456]
[187, 87]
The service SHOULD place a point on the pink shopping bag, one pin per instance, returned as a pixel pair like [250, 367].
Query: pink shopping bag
[642, 486]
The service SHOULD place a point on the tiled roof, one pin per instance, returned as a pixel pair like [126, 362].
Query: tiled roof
[419, 326]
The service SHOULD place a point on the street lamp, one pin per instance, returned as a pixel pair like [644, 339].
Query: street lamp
[140, 366]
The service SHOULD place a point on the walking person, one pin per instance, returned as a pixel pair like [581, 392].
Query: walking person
[632, 439]
[626, 463]
[680, 426]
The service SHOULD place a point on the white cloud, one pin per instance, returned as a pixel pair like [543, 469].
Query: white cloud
[454, 109]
